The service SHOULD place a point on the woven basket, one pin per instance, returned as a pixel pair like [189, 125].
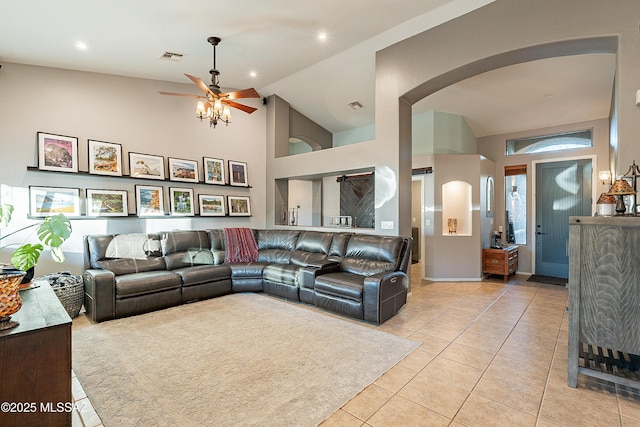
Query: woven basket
[69, 289]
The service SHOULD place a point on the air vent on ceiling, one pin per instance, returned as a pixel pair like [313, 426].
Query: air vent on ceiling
[355, 105]
[172, 56]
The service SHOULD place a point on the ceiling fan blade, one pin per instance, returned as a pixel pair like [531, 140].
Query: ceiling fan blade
[242, 107]
[203, 87]
[246, 93]
[180, 94]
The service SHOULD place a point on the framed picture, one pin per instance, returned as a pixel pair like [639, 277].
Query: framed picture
[183, 170]
[57, 152]
[213, 171]
[211, 205]
[107, 203]
[105, 158]
[181, 201]
[146, 166]
[239, 206]
[149, 200]
[238, 174]
[47, 201]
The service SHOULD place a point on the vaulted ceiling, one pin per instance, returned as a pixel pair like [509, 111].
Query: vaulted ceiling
[278, 42]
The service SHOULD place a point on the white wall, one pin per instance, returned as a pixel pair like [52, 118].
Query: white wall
[130, 112]
[301, 198]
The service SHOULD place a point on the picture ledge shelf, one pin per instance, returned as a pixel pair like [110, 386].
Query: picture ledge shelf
[86, 173]
[134, 216]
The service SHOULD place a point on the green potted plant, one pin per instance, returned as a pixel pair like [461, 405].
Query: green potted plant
[52, 232]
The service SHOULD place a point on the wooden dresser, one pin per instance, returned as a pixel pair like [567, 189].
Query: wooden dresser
[604, 299]
[503, 262]
[35, 362]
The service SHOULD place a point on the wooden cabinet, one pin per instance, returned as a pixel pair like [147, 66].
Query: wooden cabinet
[35, 362]
[604, 299]
[503, 262]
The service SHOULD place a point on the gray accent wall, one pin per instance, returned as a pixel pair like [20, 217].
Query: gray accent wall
[123, 110]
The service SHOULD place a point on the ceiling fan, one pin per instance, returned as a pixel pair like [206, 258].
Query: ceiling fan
[214, 105]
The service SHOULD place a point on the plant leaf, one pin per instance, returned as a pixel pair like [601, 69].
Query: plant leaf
[57, 254]
[26, 256]
[54, 230]
[5, 214]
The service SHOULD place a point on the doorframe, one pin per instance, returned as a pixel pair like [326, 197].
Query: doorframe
[422, 221]
[534, 196]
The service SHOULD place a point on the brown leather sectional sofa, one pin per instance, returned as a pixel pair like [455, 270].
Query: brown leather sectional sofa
[357, 275]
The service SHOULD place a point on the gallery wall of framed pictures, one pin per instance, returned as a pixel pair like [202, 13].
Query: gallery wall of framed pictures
[59, 153]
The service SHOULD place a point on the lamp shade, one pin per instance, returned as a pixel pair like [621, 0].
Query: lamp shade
[605, 205]
[620, 188]
[606, 199]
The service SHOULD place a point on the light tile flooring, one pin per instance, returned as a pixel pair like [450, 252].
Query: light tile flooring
[492, 354]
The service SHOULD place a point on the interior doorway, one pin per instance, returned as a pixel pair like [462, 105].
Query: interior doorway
[563, 189]
[416, 219]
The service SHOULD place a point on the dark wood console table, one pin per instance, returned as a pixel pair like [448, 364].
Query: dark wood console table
[35, 362]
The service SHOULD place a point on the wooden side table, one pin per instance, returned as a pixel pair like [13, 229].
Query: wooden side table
[503, 261]
[36, 362]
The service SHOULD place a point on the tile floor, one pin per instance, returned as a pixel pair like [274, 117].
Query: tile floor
[492, 354]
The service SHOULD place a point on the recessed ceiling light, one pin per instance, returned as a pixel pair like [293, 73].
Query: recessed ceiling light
[355, 105]
[253, 74]
[82, 45]
[322, 36]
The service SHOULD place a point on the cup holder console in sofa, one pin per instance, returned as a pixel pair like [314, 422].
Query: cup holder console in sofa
[357, 275]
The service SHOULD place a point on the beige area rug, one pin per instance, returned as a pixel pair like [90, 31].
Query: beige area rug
[238, 360]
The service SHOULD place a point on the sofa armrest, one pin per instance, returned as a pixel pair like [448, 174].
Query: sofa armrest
[383, 295]
[99, 294]
[308, 274]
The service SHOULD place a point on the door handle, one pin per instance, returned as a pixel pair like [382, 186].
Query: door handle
[540, 232]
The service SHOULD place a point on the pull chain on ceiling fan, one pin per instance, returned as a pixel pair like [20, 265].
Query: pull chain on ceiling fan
[214, 105]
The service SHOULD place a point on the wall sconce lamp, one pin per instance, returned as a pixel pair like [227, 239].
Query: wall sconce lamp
[605, 177]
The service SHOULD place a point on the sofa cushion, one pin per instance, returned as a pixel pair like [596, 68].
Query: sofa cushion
[343, 285]
[203, 274]
[287, 274]
[139, 246]
[277, 239]
[311, 248]
[184, 240]
[136, 284]
[133, 245]
[186, 248]
[270, 256]
[247, 269]
[123, 266]
[338, 245]
[369, 254]
[189, 259]
[216, 238]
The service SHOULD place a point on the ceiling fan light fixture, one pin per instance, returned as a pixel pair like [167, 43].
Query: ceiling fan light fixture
[215, 105]
[201, 112]
[226, 114]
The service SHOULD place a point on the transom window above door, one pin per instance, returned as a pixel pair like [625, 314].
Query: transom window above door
[557, 142]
